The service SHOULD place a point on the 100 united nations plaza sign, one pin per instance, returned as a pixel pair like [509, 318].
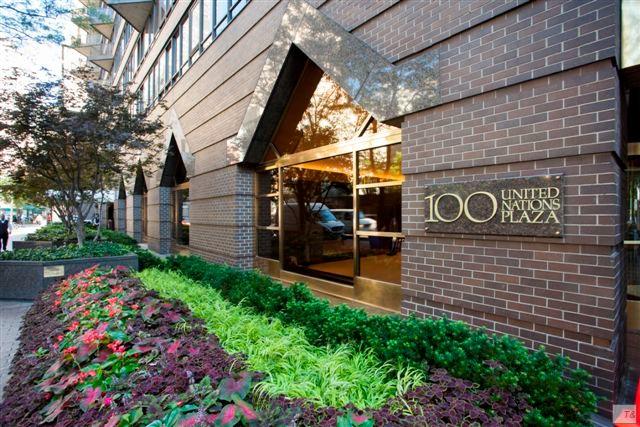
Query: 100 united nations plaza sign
[531, 206]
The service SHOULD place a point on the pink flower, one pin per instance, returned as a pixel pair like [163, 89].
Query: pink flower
[70, 350]
[107, 401]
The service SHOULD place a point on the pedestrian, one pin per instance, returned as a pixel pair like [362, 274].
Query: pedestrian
[5, 230]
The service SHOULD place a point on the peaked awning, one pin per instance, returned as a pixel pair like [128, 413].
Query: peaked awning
[135, 12]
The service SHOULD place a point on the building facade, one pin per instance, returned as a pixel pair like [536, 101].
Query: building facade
[472, 159]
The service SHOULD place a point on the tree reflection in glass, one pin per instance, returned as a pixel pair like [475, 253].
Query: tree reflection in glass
[314, 239]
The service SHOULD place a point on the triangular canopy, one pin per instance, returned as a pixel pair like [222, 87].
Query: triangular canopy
[385, 90]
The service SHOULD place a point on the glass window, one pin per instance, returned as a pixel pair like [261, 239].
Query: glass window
[316, 242]
[194, 20]
[222, 8]
[267, 211]
[159, 75]
[382, 209]
[380, 258]
[175, 54]
[207, 18]
[268, 243]
[630, 33]
[632, 244]
[182, 220]
[185, 42]
[320, 114]
[381, 164]
[268, 181]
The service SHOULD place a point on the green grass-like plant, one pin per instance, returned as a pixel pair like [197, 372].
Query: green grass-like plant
[331, 376]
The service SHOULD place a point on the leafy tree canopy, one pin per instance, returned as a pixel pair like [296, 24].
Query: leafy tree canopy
[36, 20]
[66, 142]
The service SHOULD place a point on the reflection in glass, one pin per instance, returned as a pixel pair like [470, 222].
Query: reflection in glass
[268, 181]
[268, 243]
[267, 211]
[380, 258]
[381, 164]
[182, 221]
[320, 113]
[382, 208]
[375, 127]
[632, 244]
[315, 241]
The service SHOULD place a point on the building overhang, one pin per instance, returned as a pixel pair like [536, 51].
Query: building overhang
[104, 28]
[103, 61]
[388, 91]
[135, 12]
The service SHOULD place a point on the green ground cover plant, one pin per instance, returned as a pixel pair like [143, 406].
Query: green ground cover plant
[334, 376]
[57, 233]
[61, 237]
[89, 250]
[558, 394]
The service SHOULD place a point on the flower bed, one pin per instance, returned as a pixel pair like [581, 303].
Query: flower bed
[558, 395]
[98, 349]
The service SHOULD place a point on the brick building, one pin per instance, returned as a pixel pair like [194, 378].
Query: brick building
[302, 138]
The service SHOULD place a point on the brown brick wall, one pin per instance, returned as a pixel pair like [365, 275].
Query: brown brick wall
[566, 293]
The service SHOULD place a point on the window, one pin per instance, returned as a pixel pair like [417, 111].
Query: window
[185, 51]
[338, 210]
[175, 54]
[207, 19]
[222, 10]
[195, 26]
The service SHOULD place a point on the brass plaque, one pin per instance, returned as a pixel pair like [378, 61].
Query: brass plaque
[53, 270]
[517, 207]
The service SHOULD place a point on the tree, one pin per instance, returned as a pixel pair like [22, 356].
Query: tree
[36, 20]
[67, 142]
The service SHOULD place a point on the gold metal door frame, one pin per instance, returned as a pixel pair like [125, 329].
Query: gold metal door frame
[386, 295]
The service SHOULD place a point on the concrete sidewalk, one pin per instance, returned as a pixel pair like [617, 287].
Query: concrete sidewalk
[11, 314]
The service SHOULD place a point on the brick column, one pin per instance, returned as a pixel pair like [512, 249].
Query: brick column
[165, 206]
[137, 217]
[119, 213]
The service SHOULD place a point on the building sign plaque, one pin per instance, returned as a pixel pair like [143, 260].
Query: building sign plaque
[518, 207]
[53, 270]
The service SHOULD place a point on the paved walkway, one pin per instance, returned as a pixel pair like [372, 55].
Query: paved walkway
[11, 313]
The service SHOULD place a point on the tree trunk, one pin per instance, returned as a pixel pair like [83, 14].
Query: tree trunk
[80, 231]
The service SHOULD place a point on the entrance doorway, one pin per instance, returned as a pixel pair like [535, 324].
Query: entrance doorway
[328, 194]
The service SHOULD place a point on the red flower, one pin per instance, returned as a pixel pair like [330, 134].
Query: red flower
[74, 325]
[57, 302]
[116, 347]
[135, 306]
[60, 337]
[70, 350]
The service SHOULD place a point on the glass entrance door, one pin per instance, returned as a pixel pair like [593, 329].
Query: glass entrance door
[181, 219]
[632, 238]
[318, 236]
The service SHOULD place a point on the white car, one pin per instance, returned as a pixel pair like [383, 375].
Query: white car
[346, 216]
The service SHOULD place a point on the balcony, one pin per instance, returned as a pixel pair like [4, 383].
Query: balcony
[96, 52]
[102, 56]
[135, 12]
[100, 19]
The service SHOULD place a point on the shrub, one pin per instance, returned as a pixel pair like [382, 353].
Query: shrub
[89, 250]
[292, 366]
[57, 233]
[558, 394]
